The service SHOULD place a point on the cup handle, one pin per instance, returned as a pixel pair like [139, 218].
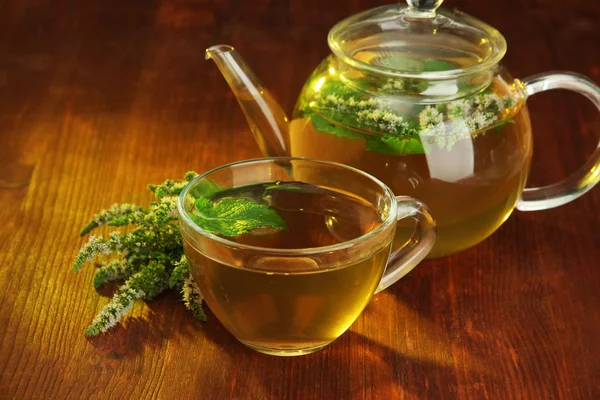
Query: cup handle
[584, 178]
[403, 260]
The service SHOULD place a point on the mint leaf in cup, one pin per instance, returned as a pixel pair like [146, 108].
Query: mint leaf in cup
[234, 217]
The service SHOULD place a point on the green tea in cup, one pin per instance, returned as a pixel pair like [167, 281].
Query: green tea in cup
[288, 252]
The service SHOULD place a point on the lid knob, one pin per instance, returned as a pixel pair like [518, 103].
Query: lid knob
[423, 8]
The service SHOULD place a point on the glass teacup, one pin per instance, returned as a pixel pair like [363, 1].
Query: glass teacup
[293, 291]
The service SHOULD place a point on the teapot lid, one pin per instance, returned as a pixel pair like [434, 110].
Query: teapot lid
[417, 40]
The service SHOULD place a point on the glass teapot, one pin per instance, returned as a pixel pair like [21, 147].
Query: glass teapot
[417, 97]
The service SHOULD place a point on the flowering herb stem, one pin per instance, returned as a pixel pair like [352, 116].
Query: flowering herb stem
[149, 258]
[341, 110]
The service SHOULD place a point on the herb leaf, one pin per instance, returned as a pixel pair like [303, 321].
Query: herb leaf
[323, 125]
[233, 217]
[345, 110]
[392, 145]
[387, 132]
[150, 255]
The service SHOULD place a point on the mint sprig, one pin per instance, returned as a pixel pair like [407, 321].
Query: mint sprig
[234, 217]
[148, 256]
[339, 110]
[345, 110]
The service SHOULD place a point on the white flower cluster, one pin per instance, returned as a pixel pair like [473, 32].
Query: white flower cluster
[191, 293]
[463, 118]
[384, 120]
[162, 212]
[146, 254]
[95, 246]
[442, 124]
[430, 117]
[459, 109]
[114, 212]
[431, 122]
[112, 312]
[171, 188]
[170, 204]
[393, 85]
[370, 113]
[347, 104]
[115, 240]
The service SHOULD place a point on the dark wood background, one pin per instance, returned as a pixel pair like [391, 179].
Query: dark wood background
[100, 97]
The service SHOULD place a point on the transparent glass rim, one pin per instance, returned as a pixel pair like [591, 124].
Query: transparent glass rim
[391, 218]
[497, 40]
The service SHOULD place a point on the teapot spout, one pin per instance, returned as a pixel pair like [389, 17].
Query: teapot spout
[268, 122]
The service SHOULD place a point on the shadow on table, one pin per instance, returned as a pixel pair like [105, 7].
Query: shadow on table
[353, 367]
[166, 319]
[498, 302]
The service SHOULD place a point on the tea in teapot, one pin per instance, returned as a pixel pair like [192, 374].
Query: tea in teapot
[417, 97]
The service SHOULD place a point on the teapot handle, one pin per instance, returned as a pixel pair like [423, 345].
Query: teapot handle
[586, 177]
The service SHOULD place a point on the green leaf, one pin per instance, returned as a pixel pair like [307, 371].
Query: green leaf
[233, 217]
[323, 125]
[152, 280]
[384, 144]
[395, 146]
[437, 65]
[346, 121]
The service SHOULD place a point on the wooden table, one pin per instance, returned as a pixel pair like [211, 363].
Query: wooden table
[98, 98]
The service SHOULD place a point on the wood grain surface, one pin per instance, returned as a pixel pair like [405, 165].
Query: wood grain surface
[100, 97]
